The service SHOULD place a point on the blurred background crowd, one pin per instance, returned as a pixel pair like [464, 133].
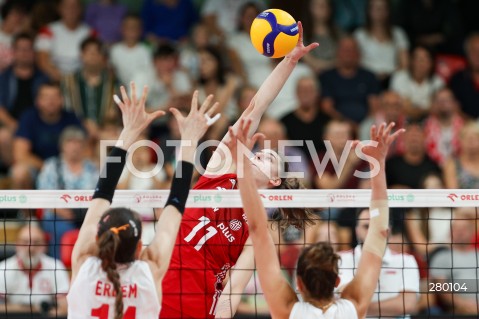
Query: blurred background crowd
[414, 62]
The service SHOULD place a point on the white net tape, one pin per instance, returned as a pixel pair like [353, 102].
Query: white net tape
[231, 198]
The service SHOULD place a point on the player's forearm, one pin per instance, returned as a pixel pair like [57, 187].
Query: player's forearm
[127, 138]
[252, 204]
[228, 303]
[187, 150]
[271, 87]
[18, 308]
[378, 183]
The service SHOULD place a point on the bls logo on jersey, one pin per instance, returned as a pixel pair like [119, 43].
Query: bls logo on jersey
[226, 232]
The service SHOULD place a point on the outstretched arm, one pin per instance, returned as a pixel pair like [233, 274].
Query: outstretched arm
[263, 98]
[135, 120]
[360, 290]
[277, 291]
[192, 128]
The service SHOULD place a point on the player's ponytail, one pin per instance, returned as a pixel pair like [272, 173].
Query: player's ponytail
[119, 232]
[108, 245]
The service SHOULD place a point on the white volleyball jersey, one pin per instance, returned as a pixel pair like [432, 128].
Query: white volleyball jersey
[92, 295]
[340, 309]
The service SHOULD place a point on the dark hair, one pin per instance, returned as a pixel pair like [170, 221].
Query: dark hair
[10, 6]
[165, 50]
[309, 25]
[297, 217]
[431, 54]
[119, 231]
[92, 41]
[220, 69]
[388, 25]
[22, 36]
[242, 11]
[318, 270]
[133, 16]
[50, 84]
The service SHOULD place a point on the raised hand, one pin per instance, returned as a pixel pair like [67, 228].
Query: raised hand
[241, 138]
[133, 111]
[134, 116]
[383, 138]
[300, 50]
[195, 125]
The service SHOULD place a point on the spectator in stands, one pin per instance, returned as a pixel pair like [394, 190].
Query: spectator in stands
[131, 49]
[214, 79]
[349, 92]
[105, 16]
[19, 85]
[327, 231]
[458, 264]
[221, 16]
[433, 24]
[464, 83]
[463, 171]
[38, 134]
[320, 27]
[14, 18]
[245, 95]
[428, 229]
[275, 133]
[201, 39]
[166, 81]
[307, 122]
[443, 126]
[58, 43]
[384, 47]
[168, 20]
[69, 170]
[256, 66]
[30, 281]
[417, 84]
[398, 286]
[391, 109]
[406, 170]
[350, 15]
[88, 92]
[338, 137]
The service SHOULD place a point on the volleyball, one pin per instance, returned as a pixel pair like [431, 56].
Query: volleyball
[274, 33]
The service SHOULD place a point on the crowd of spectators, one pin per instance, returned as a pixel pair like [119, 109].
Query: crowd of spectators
[414, 62]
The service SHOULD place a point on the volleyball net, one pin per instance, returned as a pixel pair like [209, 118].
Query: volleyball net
[430, 270]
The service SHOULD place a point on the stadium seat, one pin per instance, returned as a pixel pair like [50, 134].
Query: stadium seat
[67, 242]
[448, 64]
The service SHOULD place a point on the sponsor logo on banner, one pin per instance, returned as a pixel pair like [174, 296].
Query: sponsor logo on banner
[149, 198]
[464, 197]
[278, 198]
[66, 197]
[207, 198]
[401, 198]
[22, 199]
[77, 198]
[452, 197]
[341, 198]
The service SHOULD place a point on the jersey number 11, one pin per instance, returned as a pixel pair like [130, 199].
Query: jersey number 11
[211, 231]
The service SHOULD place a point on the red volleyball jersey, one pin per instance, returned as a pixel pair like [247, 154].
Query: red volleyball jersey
[209, 243]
